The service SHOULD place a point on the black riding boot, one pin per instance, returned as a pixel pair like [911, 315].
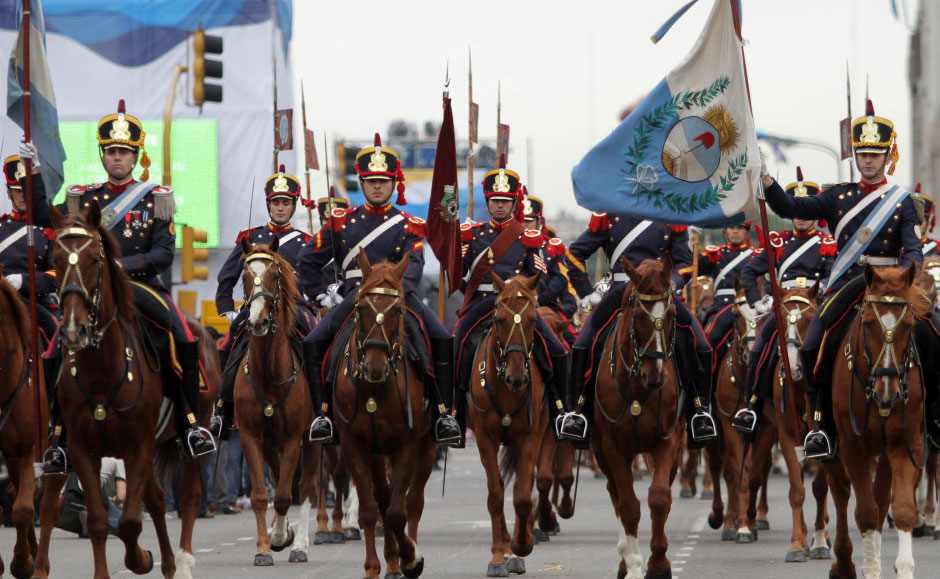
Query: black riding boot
[55, 459]
[195, 441]
[701, 424]
[574, 425]
[557, 390]
[817, 444]
[745, 420]
[321, 429]
[224, 416]
[446, 429]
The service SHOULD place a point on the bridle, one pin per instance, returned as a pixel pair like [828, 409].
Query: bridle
[794, 317]
[638, 299]
[391, 343]
[257, 289]
[93, 298]
[504, 350]
[742, 341]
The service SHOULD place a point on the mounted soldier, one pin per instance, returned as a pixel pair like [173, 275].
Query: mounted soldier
[804, 256]
[927, 222]
[505, 248]
[637, 240]
[875, 224]
[281, 192]
[140, 215]
[384, 232]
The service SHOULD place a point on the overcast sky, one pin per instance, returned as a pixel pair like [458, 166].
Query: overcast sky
[567, 69]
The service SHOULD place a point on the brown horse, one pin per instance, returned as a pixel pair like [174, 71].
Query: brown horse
[704, 294]
[638, 410]
[877, 371]
[18, 422]
[333, 468]
[272, 402]
[111, 393]
[379, 404]
[506, 407]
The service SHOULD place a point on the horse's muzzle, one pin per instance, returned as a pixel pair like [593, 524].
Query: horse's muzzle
[517, 383]
[76, 336]
[261, 328]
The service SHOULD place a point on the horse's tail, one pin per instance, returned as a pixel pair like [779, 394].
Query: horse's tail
[166, 461]
[508, 457]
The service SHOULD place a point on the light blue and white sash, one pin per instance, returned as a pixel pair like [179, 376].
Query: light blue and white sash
[117, 209]
[813, 242]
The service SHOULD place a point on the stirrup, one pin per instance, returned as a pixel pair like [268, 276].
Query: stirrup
[443, 424]
[817, 445]
[745, 421]
[199, 443]
[215, 426]
[4, 471]
[702, 427]
[321, 430]
[55, 462]
[572, 426]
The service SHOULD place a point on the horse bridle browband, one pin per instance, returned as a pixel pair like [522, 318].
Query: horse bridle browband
[92, 299]
[257, 290]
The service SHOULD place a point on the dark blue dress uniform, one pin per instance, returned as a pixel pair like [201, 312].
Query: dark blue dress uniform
[385, 234]
[650, 240]
[14, 250]
[723, 263]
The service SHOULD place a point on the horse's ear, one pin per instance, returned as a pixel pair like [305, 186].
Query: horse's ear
[402, 266]
[364, 264]
[737, 283]
[246, 245]
[911, 271]
[631, 271]
[275, 243]
[58, 220]
[533, 282]
[93, 215]
[814, 291]
[498, 283]
[869, 274]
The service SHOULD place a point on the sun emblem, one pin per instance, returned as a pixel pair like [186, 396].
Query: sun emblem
[280, 184]
[501, 182]
[799, 190]
[870, 132]
[377, 162]
[120, 128]
[20, 171]
[728, 132]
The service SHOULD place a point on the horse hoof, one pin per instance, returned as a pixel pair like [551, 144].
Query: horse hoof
[936, 535]
[820, 553]
[287, 543]
[929, 530]
[497, 570]
[687, 494]
[416, 569]
[322, 537]
[621, 574]
[832, 575]
[515, 565]
[707, 495]
[796, 557]
[149, 567]
[29, 573]
[806, 549]
[554, 529]
[337, 537]
[743, 538]
[520, 550]
[729, 535]
[394, 576]
[352, 534]
[763, 525]
[667, 574]
[264, 560]
[920, 531]
[716, 520]
[297, 557]
[539, 536]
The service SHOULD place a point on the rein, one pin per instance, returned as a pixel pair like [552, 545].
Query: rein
[793, 318]
[741, 351]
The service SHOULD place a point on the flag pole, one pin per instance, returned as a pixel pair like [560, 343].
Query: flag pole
[441, 294]
[499, 122]
[303, 109]
[771, 265]
[848, 99]
[35, 355]
[274, 78]
[470, 139]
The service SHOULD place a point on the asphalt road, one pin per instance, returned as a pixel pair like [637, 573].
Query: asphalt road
[455, 536]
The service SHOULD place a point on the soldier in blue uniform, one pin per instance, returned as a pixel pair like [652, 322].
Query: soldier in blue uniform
[140, 215]
[552, 253]
[281, 192]
[14, 251]
[874, 223]
[638, 240]
[930, 246]
[804, 256]
[385, 233]
[504, 247]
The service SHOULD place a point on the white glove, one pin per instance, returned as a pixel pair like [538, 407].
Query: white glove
[331, 297]
[590, 301]
[28, 151]
[764, 306]
[15, 280]
[230, 316]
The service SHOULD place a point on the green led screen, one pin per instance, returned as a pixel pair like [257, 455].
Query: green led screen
[195, 167]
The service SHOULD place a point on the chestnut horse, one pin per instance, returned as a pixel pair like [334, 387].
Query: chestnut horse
[18, 422]
[111, 393]
[379, 406]
[878, 372]
[506, 408]
[272, 402]
[638, 410]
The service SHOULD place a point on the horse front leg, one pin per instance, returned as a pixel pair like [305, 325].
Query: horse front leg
[282, 536]
[858, 467]
[904, 475]
[820, 547]
[48, 513]
[796, 495]
[713, 460]
[88, 469]
[544, 477]
[359, 461]
[526, 459]
[251, 448]
[564, 476]
[307, 489]
[659, 498]
[841, 488]
[488, 448]
[404, 462]
[139, 469]
[414, 505]
[155, 501]
[617, 464]
[21, 471]
[190, 497]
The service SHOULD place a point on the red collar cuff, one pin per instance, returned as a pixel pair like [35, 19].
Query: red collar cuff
[866, 187]
[369, 208]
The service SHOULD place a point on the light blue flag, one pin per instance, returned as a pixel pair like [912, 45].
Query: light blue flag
[688, 153]
[44, 118]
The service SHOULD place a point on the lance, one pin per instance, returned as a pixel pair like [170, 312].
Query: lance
[848, 108]
[331, 193]
[307, 145]
[470, 139]
[771, 261]
[499, 122]
[274, 78]
[694, 293]
[441, 294]
[30, 244]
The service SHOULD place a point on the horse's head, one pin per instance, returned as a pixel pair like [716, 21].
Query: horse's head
[745, 322]
[799, 307]
[270, 290]
[380, 314]
[514, 318]
[929, 281]
[705, 296]
[91, 286]
[886, 332]
[650, 314]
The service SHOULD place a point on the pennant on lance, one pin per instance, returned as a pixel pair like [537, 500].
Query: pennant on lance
[688, 153]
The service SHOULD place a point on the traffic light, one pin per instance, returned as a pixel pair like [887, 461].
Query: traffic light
[191, 254]
[203, 67]
[347, 166]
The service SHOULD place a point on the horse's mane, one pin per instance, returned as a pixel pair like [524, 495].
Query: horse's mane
[14, 308]
[381, 272]
[894, 280]
[121, 292]
[289, 292]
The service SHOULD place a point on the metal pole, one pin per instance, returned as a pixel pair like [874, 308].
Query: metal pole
[274, 77]
[848, 108]
[470, 187]
[168, 123]
[303, 108]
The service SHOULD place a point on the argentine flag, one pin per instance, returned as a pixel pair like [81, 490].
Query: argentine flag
[688, 153]
[44, 118]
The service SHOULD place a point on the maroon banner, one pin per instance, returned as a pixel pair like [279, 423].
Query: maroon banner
[845, 132]
[443, 208]
[310, 150]
[503, 139]
[284, 135]
[474, 121]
